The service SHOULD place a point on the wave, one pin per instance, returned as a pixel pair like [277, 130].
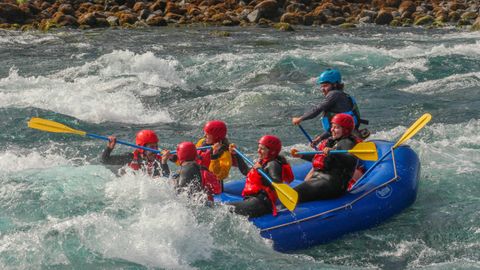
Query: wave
[115, 87]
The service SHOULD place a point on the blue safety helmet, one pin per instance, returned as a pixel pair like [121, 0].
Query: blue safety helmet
[330, 76]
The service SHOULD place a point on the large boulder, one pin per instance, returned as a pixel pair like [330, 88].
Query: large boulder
[384, 17]
[267, 9]
[291, 18]
[12, 14]
[407, 6]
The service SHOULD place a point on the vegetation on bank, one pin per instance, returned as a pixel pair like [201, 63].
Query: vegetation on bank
[280, 14]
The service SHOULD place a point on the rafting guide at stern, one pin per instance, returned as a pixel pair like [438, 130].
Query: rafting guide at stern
[336, 101]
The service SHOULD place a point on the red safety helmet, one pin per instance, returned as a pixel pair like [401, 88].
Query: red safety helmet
[273, 144]
[186, 151]
[146, 136]
[345, 121]
[216, 128]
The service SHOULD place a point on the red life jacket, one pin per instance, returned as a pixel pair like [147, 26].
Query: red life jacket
[204, 157]
[254, 184]
[210, 183]
[137, 163]
[318, 162]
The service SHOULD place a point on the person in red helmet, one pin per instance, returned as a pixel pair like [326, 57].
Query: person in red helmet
[153, 164]
[259, 196]
[191, 176]
[218, 159]
[330, 173]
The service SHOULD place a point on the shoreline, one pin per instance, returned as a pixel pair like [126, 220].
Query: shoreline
[284, 15]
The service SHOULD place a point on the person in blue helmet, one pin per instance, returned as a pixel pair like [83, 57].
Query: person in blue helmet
[336, 101]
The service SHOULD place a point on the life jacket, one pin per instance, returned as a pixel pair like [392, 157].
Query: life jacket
[254, 184]
[138, 163]
[219, 164]
[354, 112]
[210, 183]
[318, 161]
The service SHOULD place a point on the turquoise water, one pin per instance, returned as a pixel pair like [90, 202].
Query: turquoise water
[60, 209]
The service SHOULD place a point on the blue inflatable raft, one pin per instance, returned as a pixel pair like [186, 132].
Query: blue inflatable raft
[385, 190]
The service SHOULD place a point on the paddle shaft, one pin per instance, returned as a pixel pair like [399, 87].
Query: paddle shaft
[264, 174]
[321, 152]
[309, 138]
[138, 146]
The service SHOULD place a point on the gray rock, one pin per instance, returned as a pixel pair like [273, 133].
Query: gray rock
[254, 16]
[112, 20]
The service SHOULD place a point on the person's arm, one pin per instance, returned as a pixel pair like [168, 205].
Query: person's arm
[108, 159]
[324, 106]
[274, 170]
[189, 174]
[242, 166]
[345, 159]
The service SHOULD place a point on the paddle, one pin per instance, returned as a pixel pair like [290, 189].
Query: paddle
[52, 126]
[309, 138]
[363, 150]
[412, 130]
[287, 195]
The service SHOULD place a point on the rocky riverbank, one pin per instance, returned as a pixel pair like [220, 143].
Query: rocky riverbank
[283, 14]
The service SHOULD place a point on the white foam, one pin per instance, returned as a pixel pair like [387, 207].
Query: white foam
[108, 89]
[443, 147]
[13, 161]
[447, 84]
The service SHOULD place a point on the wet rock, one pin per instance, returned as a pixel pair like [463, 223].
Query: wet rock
[407, 6]
[113, 21]
[291, 18]
[66, 9]
[267, 9]
[384, 17]
[424, 20]
[12, 14]
[282, 26]
[476, 25]
[62, 19]
[347, 25]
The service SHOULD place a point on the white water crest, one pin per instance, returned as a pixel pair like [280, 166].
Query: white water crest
[444, 85]
[111, 88]
[12, 161]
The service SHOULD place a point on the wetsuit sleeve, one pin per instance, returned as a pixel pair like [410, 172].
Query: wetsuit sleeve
[189, 175]
[347, 160]
[108, 159]
[324, 106]
[242, 166]
[274, 170]
[165, 169]
[221, 165]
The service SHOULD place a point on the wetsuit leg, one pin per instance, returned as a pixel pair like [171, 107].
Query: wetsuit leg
[317, 189]
[253, 206]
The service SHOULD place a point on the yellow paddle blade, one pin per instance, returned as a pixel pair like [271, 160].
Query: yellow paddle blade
[365, 151]
[287, 195]
[412, 130]
[52, 126]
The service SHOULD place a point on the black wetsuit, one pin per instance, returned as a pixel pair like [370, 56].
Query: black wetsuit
[336, 101]
[332, 180]
[188, 177]
[259, 204]
[159, 169]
